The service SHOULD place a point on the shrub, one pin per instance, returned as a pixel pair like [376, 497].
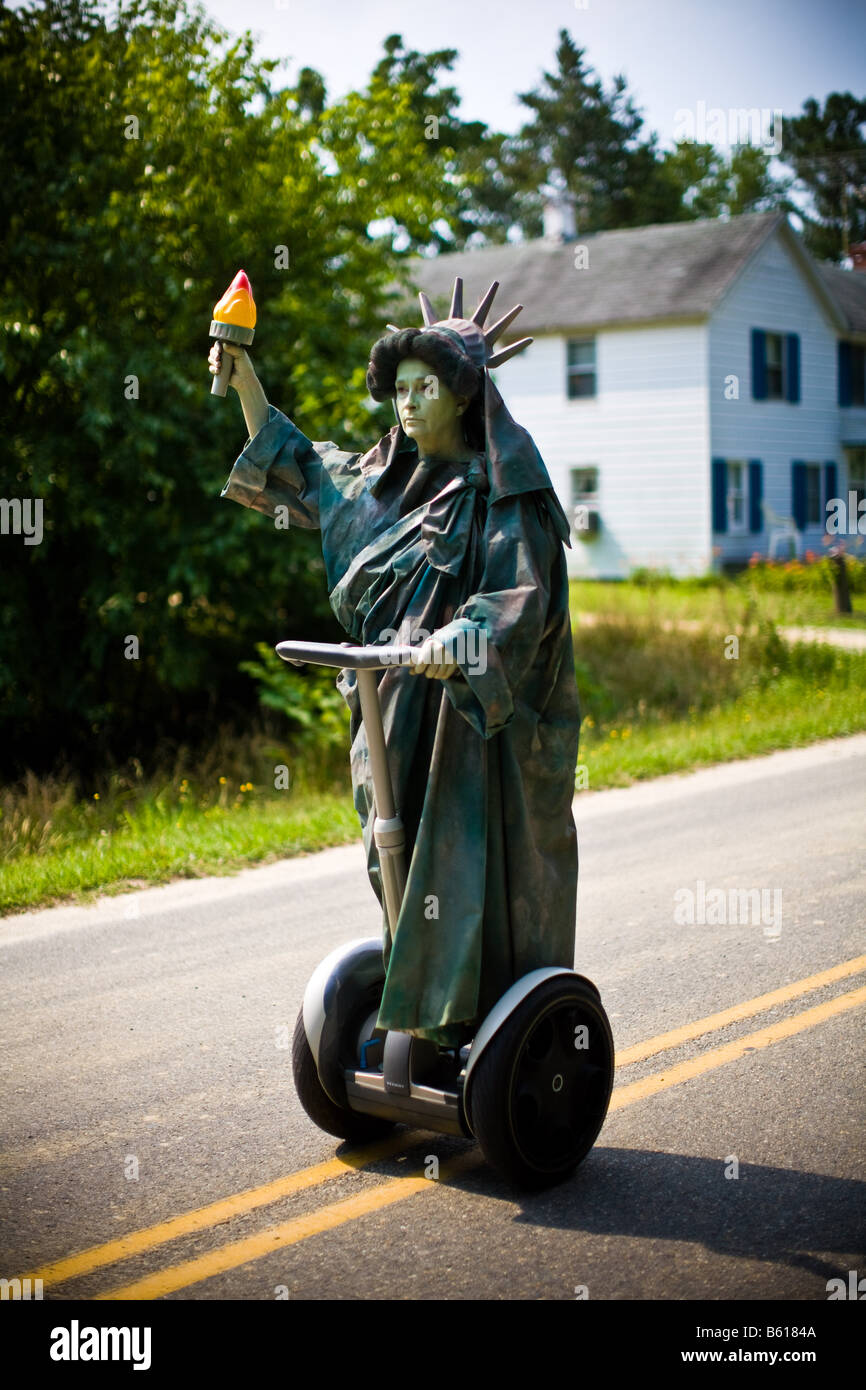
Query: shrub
[317, 713]
[814, 576]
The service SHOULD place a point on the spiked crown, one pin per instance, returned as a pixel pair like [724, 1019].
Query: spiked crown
[513, 462]
[469, 334]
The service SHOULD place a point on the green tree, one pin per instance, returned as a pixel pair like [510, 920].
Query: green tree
[587, 139]
[696, 174]
[751, 187]
[153, 156]
[826, 148]
[705, 183]
[408, 164]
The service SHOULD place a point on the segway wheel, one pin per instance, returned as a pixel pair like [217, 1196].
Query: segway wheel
[542, 1086]
[345, 1124]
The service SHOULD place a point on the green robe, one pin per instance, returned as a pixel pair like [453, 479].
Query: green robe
[482, 763]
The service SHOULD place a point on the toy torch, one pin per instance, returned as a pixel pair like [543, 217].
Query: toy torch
[234, 321]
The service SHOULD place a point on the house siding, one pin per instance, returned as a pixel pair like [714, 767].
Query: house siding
[773, 294]
[647, 432]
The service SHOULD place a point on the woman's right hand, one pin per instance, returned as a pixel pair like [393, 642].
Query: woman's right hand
[243, 376]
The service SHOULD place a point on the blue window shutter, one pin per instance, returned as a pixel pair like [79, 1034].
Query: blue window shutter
[829, 486]
[792, 373]
[720, 495]
[844, 373]
[798, 494]
[759, 367]
[756, 495]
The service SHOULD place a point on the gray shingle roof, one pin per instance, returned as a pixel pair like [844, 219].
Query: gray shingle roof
[848, 288]
[669, 271]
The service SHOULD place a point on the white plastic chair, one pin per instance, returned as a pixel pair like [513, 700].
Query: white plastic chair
[781, 528]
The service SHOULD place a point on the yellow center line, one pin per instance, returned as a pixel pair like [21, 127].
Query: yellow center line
[327, 1218]
[212, 1215]
[730, 1052]
[241, 1252]
[689, 1031]
[225, 1209]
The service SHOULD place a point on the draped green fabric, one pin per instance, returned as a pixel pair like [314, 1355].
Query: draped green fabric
[482, 763]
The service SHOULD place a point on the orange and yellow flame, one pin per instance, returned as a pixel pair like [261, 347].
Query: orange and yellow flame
[237, 305]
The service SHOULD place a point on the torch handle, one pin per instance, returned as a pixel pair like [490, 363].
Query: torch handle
[220, 382]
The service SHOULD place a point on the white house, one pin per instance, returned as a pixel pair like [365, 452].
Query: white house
[690, 386]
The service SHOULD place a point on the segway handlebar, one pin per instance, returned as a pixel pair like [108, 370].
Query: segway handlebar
[344, 654]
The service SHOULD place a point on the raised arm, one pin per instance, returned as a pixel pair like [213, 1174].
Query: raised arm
[278, 470]
[245, 382]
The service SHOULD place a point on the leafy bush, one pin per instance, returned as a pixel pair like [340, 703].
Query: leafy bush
[813, 576]
[315, 709]
[644, 577]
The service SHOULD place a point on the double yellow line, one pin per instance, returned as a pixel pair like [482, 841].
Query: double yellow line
[384, 1194]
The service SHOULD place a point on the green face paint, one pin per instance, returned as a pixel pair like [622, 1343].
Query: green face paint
[429, 411]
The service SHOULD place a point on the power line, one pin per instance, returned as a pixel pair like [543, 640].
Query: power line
[838, 157]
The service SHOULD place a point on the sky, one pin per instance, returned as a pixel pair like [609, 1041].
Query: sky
[674, 54]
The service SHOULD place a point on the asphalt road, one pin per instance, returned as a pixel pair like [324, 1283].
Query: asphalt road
[146, 1076]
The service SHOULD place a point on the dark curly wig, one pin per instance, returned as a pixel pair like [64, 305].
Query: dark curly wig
[445, 359]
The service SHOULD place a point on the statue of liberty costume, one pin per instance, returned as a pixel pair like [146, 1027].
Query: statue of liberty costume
[483, 762]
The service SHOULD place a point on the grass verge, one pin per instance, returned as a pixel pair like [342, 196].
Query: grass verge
[160, 843]
[655, 700]
[789, 716]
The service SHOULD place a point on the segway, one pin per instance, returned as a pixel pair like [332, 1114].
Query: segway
[533, 1085]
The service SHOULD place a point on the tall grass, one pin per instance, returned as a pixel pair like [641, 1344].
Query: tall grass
[659, 699]
[634, 668]
[784, 592]
[43, 814]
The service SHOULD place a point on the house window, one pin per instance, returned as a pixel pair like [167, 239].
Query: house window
[813, 486]
[814, 514]
[736, 495]
[581, 368]
[584, 485]
[852, 373]
[857, 476]
[584, 501]
[774, 366]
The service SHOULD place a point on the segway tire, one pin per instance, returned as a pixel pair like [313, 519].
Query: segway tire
[539, 1097]
[345, 1124]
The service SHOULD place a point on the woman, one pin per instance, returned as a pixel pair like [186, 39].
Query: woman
[448, 527]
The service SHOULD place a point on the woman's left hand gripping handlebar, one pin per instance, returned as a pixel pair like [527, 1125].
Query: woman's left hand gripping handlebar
[435, 660]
